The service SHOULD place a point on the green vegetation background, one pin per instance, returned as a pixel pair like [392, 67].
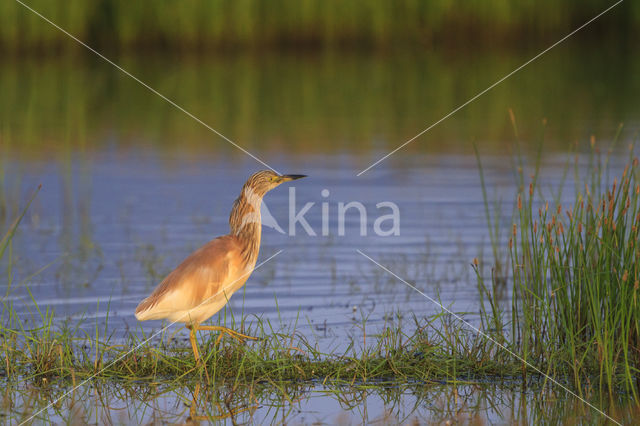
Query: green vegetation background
[201, 24]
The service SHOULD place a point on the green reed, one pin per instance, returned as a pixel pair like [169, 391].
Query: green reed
[575, 275]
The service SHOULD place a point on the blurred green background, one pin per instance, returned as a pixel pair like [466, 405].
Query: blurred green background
[207, 24]
[301, 76]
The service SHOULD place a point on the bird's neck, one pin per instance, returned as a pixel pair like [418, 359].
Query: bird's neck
[245, 223]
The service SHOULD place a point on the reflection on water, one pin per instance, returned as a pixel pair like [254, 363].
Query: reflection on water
[131, 186]
[416, 403]
[289, 103]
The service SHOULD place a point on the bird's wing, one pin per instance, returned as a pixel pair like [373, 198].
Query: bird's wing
[199, 278]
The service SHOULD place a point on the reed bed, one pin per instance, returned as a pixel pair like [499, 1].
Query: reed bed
[574, 272]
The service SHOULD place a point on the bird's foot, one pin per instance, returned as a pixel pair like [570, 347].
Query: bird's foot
[234, 335]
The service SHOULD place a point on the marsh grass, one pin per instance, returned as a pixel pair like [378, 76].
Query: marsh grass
[574, 272]
[439, 350]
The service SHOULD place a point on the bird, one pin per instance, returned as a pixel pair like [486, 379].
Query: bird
[205, 281]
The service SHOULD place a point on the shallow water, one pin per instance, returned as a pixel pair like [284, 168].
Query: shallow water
[141, 219]
[130, 186]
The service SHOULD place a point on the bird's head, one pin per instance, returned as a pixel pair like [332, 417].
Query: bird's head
[246, 209]
[265, 180]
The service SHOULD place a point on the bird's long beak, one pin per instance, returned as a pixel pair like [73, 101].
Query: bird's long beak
[287, 178]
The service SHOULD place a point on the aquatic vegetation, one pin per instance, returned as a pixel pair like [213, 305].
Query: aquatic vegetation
[438, 350]
[447, 371]
[574, 272]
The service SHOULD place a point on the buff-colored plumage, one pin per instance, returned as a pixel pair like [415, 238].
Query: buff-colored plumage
[205, 281]
[194, 290]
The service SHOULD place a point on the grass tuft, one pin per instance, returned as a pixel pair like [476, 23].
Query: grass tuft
[575, 275]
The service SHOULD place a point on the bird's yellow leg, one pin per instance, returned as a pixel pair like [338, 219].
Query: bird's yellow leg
[194, 401]
[224, 330]
[194, 342]
[194, 346]
[231, 411]
[193, 415]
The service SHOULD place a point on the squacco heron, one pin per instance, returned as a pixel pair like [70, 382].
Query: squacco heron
[204, 282]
